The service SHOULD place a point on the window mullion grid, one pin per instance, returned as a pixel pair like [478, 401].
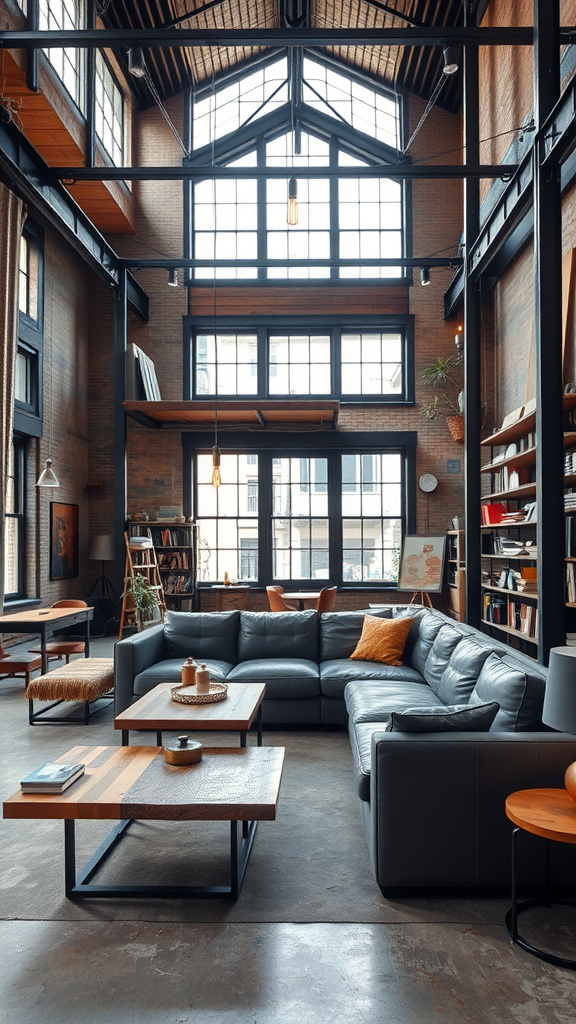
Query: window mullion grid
[336, 357]
[261, 192]
[335, 544]
[262, 355]
[265, 510]
[334, 221]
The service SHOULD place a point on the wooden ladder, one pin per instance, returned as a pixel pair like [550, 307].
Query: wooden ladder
[140, 561]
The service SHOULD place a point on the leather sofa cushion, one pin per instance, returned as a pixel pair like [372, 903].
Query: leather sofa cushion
[460, 675]
[280, 635]
[519, 693]
[445, 718]
[420, 640]
[335, 675]
[341, 631]
[447, 639]
[170, 671]
[285, 678]
[361, 743]
[375, 702]
[202, 635]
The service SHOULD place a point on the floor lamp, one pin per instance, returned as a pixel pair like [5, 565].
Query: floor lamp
[102, 551]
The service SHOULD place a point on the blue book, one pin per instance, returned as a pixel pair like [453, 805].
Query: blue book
[51, 778]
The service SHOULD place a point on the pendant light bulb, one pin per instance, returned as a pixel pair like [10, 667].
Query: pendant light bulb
[292, 212]
[216, 476]
[48, 477]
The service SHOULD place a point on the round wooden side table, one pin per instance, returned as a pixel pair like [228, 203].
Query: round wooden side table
[551, 814]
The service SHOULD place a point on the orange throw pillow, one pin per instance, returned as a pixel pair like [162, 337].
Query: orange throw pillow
[382, 640]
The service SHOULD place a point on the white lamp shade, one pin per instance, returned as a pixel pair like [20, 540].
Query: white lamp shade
[102, 549]
[559, 711]
[47, 477]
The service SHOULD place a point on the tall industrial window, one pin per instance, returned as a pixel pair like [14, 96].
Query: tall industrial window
[228, 108]
[371, 516]
[300, 533]
[68, 63]
[14, 543]
[109, 112]
[301, 364]
[371, 363]
[227, 519]
[336, 517]
[27, 382]
[226, 364]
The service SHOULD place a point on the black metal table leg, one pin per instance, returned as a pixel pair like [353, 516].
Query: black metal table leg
[259, 725]
[519, 907]
[242, 738]
[125, 737]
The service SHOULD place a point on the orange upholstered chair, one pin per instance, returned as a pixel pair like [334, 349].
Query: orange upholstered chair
[18, 665]
[276, 601]
[325, 602]
[61, 647]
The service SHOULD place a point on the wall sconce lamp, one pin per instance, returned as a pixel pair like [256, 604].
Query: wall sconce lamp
[459, 340]
[424, 276]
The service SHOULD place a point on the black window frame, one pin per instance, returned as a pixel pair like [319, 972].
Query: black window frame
[332, 446]
[28, 416]
[266, 326]
[18, 513]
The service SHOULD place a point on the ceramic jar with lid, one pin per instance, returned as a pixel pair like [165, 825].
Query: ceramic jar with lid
[202, 680]
[189, 672]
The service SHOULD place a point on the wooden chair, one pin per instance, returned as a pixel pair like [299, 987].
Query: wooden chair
[325, 602]
[18, 666]
[276, 601]
[61, 647]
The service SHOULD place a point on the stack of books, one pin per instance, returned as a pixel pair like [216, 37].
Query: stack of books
[51, 778]
[527, 581]
[518, 516]
[570, 499]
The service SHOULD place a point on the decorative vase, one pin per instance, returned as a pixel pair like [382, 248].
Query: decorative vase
[202, 680]
[456, 427]
[189, 672]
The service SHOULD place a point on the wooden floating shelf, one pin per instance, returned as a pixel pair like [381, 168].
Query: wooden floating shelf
[511, 558]
[509, 526]
[523, 491]
[516, 593]
[512, 632]
[526, 458]
[522, 426]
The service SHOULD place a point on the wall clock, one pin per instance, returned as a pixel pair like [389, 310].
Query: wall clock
[427, 483]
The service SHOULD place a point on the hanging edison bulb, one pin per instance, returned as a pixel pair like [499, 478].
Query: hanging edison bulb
[292, 212]
[216, 476]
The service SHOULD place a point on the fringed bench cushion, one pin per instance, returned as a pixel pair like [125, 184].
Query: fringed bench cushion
[85, 679]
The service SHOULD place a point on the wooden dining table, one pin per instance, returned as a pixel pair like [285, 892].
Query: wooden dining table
[45, 621]
[303, 598]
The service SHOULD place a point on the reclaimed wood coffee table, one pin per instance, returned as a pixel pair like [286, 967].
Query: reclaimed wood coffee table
[155, 711]
[135, 783]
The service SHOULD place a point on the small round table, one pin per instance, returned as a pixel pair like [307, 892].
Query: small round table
[551, 814]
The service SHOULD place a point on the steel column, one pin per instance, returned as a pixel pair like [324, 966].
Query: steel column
[548, 317]
[119, 426]
[472, 336]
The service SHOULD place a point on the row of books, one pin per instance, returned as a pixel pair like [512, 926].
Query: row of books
[570, 460]
[511, 612]
[495, 544]
[571, 536]
[571, 582]
[508, 478]
[569, 499]
[166, 537]
[177, 584]
[174, 560]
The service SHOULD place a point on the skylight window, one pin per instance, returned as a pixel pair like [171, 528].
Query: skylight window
[244, 100]
[367, 110]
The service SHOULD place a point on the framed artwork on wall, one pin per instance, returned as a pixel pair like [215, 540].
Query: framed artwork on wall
[63, 541]
[422, 564]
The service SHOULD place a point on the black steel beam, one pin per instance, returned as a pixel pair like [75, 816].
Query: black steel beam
[120, 314]
[174, 262]
[558, 133]
[548, 317]
[472, 344]
[32, 55]
[175, 38]
[209, 171]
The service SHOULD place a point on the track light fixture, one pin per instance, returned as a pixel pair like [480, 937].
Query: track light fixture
[136, 63]
[451, 55]
[173, 277]
[424, 276]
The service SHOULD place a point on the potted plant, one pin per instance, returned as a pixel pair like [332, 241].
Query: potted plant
[145, 598]
[445, 375]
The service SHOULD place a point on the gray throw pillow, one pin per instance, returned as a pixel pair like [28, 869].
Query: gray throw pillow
[445, 718]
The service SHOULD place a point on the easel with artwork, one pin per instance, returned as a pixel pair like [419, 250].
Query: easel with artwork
[422, 567]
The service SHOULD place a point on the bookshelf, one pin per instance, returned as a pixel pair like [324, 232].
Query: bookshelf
[175, 545]
[455, 574]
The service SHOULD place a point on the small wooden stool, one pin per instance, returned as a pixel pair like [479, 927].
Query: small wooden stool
[85, 680]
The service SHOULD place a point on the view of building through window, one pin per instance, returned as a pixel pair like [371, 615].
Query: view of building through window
[69, 63]
[303, 492]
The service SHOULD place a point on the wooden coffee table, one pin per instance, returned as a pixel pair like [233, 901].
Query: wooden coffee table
[130, 783]
[156, 711]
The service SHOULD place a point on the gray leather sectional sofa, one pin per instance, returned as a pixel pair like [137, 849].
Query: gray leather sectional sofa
[432, 802]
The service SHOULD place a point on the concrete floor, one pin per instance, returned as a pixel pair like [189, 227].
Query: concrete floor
[144, 972]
